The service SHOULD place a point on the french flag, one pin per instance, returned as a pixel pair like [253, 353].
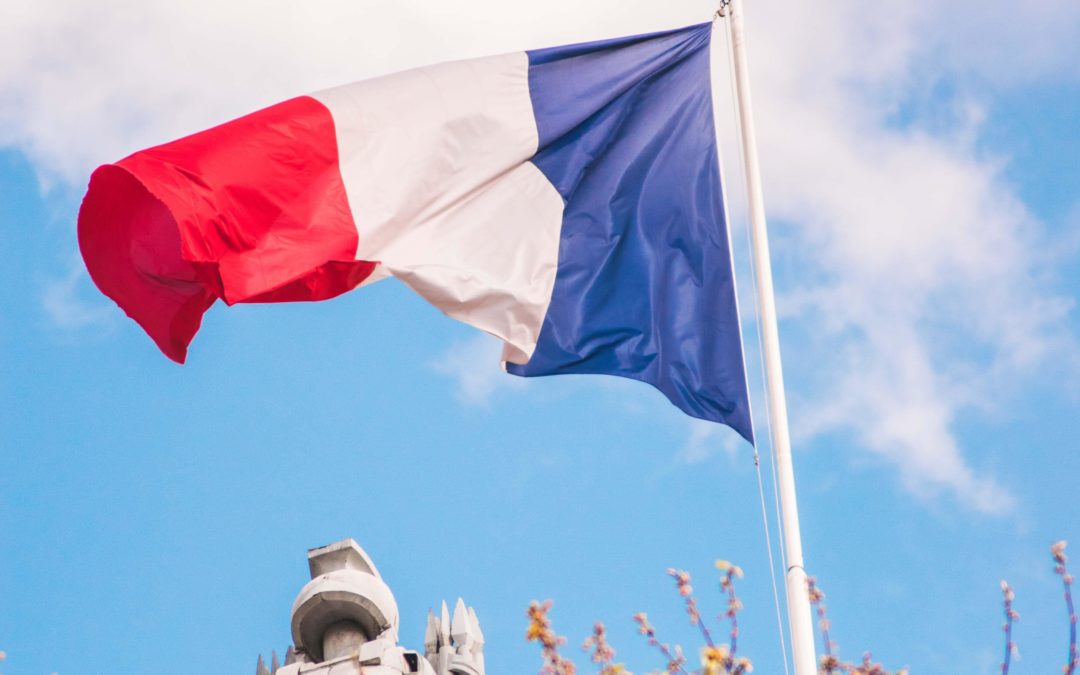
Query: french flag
[566, 200]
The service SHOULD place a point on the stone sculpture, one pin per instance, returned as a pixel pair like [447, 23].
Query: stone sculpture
[345, 622]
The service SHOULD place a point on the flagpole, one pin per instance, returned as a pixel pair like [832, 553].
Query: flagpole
[800, 619]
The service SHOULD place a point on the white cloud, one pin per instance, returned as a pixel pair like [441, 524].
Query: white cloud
[474, 365]
[908, 266]
[911, 266]
[706, 440]
[63, 305]
[86, 83]
[1002, 43]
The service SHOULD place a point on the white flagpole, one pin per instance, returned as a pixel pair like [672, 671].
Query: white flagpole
[800, 619]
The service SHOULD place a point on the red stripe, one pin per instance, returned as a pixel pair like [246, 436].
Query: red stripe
[253, 210]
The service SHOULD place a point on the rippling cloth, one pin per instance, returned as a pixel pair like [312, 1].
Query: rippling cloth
[565, 200]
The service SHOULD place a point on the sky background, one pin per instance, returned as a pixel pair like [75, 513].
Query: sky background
[921, 175]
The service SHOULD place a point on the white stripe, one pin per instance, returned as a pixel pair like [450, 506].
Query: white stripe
[435, 165]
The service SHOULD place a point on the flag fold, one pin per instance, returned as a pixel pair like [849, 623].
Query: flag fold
[566, 200]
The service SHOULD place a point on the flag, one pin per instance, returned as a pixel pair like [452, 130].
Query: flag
[566, 200]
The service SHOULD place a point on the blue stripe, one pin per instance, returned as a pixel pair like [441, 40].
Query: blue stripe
[644, 286]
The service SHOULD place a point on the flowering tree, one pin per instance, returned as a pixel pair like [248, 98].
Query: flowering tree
[722, 659]
[716, 659]
[1057, 551]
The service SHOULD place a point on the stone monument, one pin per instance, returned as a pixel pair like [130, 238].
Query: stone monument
[345, 622]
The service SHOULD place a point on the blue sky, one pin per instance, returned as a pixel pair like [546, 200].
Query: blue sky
[921, 180]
